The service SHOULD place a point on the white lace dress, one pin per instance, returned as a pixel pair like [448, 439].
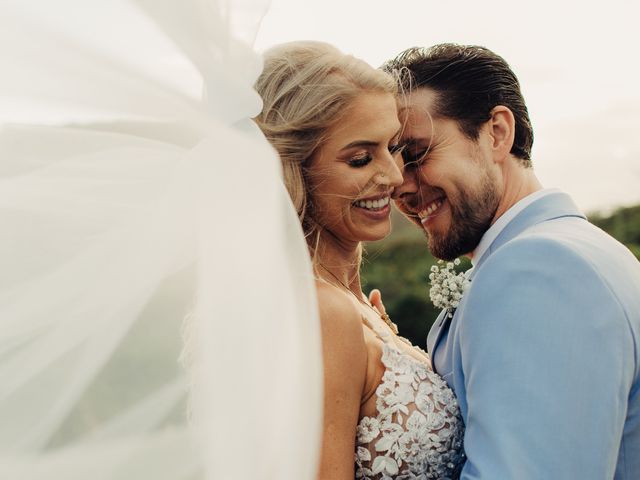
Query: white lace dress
[417, 432]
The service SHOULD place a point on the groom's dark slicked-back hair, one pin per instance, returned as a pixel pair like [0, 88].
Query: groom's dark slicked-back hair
[469, 81]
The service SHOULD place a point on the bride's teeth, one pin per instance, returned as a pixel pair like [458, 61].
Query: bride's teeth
[373, 204]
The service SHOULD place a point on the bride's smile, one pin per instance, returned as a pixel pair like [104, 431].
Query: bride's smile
[356, 170]
[376, 205]
[338, 133]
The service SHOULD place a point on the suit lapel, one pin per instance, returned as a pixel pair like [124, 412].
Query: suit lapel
[549, 207]
[435, 334]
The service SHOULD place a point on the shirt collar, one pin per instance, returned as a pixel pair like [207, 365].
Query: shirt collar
[499, 225]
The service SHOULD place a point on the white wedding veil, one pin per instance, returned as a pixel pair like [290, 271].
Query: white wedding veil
[158, 317]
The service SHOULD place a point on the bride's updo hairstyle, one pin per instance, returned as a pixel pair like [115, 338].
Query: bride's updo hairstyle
[306, 88]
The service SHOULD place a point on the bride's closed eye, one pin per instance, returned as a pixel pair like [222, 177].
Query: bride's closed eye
[360, 160]
[364, 158]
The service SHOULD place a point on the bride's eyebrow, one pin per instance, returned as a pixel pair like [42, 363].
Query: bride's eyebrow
[361, 143]
[369, 143]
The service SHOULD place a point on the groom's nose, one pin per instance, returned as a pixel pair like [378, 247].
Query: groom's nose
[409, 185]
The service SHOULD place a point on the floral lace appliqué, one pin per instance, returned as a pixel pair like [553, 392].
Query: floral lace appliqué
[418, 431]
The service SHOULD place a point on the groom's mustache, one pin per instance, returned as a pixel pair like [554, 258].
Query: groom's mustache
[414, 201]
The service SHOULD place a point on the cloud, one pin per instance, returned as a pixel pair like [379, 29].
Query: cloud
[595, 157]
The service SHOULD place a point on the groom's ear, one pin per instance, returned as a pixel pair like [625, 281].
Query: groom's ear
[502, 130]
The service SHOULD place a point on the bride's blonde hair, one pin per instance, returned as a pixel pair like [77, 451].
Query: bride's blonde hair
[306, 87]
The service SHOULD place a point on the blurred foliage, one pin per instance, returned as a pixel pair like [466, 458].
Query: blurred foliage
[623, 224]
[399, 267]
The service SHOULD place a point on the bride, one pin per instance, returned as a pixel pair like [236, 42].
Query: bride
[141, 209]
[333, 120]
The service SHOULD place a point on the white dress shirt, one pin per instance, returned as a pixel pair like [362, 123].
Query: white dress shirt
[495, 229]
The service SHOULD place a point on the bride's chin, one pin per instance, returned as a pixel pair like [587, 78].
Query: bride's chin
[374, 235]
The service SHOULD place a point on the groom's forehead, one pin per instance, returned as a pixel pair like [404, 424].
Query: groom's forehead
[417, 125]
[421, 100]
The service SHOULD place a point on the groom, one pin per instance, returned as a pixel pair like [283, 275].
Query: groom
[543, 351]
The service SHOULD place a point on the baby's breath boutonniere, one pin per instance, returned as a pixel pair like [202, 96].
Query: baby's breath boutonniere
[447, 286]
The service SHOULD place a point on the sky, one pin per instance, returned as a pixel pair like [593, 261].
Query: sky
[577, 62]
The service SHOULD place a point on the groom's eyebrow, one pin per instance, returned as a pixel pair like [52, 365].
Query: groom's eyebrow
[410, 142]
[415, 142]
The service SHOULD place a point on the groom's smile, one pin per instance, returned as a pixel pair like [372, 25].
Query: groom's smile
[432, 210]
[448, 187]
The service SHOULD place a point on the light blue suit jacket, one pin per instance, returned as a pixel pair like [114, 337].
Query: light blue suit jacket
[542, 352]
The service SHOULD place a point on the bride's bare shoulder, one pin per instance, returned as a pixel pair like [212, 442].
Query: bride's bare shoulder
[338, 310]
[341, 321]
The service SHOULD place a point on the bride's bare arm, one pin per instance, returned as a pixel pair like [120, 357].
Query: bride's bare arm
[345, 366]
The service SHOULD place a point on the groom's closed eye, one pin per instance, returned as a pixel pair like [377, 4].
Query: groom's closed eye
[413, 155]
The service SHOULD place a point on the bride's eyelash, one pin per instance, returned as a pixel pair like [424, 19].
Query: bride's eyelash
[364, 158]
[360, 160]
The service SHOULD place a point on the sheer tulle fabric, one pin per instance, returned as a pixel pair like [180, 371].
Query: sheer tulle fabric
[160, 218]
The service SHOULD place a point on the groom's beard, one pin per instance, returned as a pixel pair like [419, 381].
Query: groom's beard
[471, 215]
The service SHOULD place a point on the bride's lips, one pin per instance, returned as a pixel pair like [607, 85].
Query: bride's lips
[431, 210]
[376, 208]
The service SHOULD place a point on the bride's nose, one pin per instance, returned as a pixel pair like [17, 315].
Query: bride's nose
[390, 173]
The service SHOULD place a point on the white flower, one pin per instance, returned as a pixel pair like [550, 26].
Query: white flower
[363, 455]
[447, 286]
[368, 429]
[389, 438]
[416, 422]
[386, 465]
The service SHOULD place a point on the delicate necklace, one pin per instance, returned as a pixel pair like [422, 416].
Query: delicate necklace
[385, 318]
